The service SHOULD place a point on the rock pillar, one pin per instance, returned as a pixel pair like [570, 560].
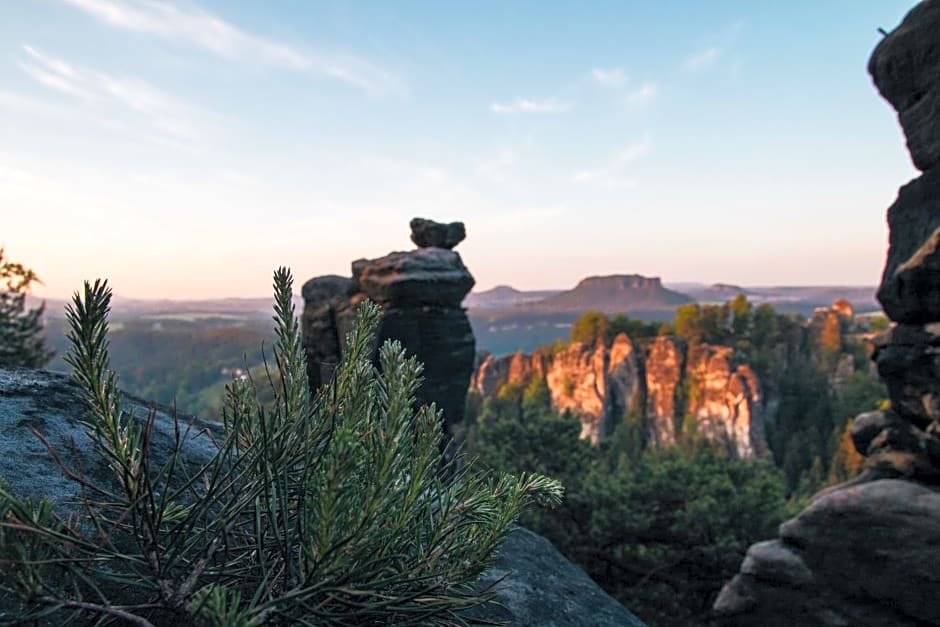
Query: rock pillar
[420, 292]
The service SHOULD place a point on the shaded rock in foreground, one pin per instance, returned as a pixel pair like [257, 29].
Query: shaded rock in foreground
[860, 554]
[50, 403]
[540, 587]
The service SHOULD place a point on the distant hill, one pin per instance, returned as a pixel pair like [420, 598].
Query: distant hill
[715, 293]
[122, 307]
[614, 294]
[503, 296]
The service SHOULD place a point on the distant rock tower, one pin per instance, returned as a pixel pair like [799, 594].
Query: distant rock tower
[420, 292]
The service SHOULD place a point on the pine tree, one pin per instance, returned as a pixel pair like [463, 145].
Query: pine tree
[21, 339]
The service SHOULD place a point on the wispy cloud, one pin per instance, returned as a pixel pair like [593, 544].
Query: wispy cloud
[192, 25]
[609, 77]
[524, 105]
[614, 173]
[151, 107]
[644, 93]
[702, 59]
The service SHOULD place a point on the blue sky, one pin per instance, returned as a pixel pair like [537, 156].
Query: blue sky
[185, 149]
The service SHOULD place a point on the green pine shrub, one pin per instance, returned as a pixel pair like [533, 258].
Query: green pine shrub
[325, 509]
[21, 339]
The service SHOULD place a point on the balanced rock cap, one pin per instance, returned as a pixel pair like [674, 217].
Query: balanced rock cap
[431, 234]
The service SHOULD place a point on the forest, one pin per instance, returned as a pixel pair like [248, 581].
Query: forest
[662, 528]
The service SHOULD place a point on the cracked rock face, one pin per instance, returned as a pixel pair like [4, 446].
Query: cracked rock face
[866, 552]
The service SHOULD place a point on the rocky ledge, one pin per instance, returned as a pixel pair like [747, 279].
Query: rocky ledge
[535, 584]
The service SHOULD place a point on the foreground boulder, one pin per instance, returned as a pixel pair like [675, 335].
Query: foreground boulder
[539, 581]
[538, 586]
[860, 554]
[866, 552]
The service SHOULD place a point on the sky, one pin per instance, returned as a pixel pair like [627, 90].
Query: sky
[186, 149]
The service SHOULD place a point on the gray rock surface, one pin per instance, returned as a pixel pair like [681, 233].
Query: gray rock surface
[427, 276]
[906, 69]
[860, 554]
[49, 404]
[428, 233]
[539, 586]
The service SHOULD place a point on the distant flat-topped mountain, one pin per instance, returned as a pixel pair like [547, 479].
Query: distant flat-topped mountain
[614, 294]
[503, 296]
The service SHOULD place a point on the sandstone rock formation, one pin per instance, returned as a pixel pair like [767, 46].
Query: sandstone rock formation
[665, 365]
[601, 385]
[724, 401]
[420, 292]
[594, 383]
[865, 552]
[535, 584]
[826, 335]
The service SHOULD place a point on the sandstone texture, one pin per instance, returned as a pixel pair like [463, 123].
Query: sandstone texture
[865, 552]
[420, 292]
[724, 400]
[428, 233]
[602, 385]
[665, 364]
[596, 384]
[535, 584]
